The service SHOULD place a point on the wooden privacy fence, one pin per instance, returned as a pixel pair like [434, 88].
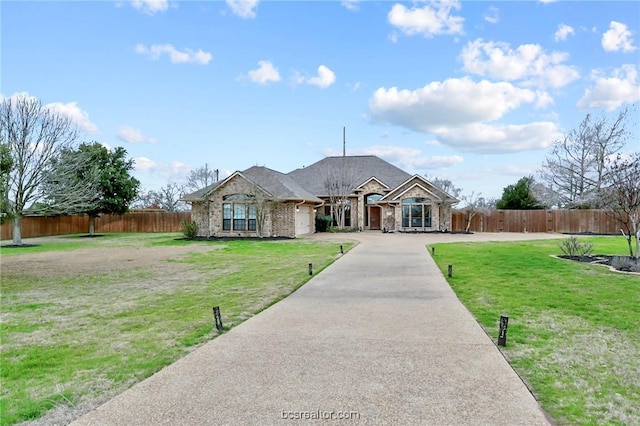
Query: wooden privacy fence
[562, 221]
[135, 221]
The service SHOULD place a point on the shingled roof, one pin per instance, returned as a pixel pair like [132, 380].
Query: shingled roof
[279, 185]
[358, 168]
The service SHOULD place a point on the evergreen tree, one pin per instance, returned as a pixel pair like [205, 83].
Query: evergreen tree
[519, 196]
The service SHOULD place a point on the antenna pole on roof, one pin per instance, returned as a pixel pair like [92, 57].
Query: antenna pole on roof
[344, 142]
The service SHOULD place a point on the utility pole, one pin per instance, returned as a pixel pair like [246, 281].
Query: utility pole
[344, 142]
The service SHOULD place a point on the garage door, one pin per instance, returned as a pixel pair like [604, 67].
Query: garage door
[303, 220]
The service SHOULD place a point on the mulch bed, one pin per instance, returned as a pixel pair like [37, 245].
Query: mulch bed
[600, 259]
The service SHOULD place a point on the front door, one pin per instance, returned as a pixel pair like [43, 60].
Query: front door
[374, 217]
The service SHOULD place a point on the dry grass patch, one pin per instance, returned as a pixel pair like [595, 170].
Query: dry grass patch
[83, 319]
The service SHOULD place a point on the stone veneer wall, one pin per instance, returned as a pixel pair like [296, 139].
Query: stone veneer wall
[237, 185]
[372, 186]
[435, 209]
[199, 216]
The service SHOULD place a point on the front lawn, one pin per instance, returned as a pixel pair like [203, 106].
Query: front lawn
[82, 319]
[573, 328]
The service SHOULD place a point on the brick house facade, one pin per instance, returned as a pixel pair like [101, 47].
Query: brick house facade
[372, 194]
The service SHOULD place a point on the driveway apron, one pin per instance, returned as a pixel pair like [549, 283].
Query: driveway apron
[378, 337]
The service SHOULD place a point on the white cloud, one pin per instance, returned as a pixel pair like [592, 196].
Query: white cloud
[264, 74]
[171, 171]
[244, 8]
[610, 92]
[543, 99]
[187, 56]
[452, 102]
[563, 32]
[70, 110]
[130, 135]
[324, 79]
[150, 7]
[498, 139]
[351, 5]
[405, 158]
[617, 38]
[492, 16]
[76, 114]
[458, 113]
[528, 63]
[433, 19]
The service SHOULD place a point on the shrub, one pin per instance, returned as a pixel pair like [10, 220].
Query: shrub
[625, 263]
[336, 229]
[323, 223]
[573, 247]
[189, 229]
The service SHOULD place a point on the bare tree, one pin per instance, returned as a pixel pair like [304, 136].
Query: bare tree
[622, 197]
[264, 206]
[70, 185]
[545, 195]
[575, 167]
[35, 135]
[201, 178]
[338, 184]
[145, 199]
[6, 165]
[447, 186]
[476, 203]
[166, 198]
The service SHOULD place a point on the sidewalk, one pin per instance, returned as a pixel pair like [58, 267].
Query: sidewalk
[378, 337]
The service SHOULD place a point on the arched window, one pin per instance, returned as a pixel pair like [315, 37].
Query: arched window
[372, 198]
[416, 213]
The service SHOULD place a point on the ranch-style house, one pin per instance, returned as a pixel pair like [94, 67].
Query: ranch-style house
[359, 192]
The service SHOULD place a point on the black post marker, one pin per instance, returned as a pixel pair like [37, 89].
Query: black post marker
[502, 333]
[217, 317]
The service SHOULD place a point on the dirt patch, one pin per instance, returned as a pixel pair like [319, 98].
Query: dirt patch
[94, 260]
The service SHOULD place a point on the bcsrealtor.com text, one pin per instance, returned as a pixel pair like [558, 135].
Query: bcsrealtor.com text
[319, 415]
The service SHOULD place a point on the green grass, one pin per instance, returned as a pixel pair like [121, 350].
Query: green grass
[573, 327]
[70, 339]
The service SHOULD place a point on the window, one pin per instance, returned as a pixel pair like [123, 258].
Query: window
[415, 213]
[240, 213]
[226, 217]
[373, 198]
[252, 217]
[239, 217]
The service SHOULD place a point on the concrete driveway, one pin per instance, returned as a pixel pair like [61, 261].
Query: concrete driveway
[379, 337]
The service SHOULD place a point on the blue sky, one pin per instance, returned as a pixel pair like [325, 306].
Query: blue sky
[471, 91]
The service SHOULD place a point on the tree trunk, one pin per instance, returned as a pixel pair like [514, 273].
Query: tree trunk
[637, 241]
[17, 229]
[92, 225]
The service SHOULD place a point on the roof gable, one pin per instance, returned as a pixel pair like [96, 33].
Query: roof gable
[372, 179]
[417, 181]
